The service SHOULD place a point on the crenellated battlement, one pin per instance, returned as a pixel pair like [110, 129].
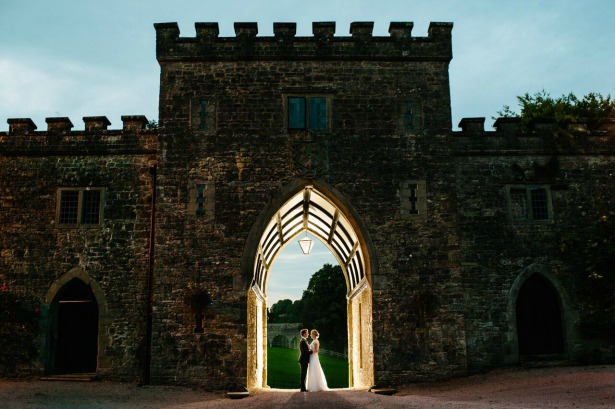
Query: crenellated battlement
[510, 136]
[399, 45]
[24, 126]
[59, 138]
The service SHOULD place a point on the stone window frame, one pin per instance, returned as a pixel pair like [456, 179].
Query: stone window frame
[530, 210]
[308, 95]
[417, 190]
[80, 207]
[413, 122]
[201, 202]
[196, 122]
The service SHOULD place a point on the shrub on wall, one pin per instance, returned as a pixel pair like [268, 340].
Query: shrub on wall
[593, 254]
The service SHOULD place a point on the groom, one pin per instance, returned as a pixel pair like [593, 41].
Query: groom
[304, 358]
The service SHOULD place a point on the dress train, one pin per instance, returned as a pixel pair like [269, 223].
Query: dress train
[316, 380]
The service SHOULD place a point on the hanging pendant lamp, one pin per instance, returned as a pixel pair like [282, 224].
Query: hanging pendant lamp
[306, 244]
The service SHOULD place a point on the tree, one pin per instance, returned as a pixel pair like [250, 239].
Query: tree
[153, 124]
[592, 109]
[282, 311]
[323, 307]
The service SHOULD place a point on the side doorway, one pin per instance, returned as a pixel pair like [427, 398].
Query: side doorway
[539, 318]
[74, 323]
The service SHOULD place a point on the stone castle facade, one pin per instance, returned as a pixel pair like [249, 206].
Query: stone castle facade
[449, 241]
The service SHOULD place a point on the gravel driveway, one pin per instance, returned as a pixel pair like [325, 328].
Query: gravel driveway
[562, 388]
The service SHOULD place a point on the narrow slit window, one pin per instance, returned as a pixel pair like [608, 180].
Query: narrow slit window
[203, 116]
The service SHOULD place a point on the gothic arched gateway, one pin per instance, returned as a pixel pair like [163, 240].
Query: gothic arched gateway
[312, 210]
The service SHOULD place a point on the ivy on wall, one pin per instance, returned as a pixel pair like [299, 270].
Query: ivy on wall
[592, 253]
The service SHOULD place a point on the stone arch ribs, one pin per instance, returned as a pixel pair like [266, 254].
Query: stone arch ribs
[311, 211]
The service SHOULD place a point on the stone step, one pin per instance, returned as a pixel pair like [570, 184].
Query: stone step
[76, 377]
[541, 361]
[383, 391]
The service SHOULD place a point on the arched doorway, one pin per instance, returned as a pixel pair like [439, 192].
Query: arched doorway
[74, 329]
[539, 318]
[313, 211]
[280, 341]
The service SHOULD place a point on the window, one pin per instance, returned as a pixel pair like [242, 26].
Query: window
[307, 113]
[529, 203]
[203, 115]
[413, 197]
[410, 116]
[80, 207]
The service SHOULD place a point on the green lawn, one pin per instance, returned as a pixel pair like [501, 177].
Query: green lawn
[283, 371]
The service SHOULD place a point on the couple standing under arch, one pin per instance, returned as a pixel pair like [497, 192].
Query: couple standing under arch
[312, 376]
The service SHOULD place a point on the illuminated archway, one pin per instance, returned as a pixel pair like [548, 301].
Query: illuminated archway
[311, 210]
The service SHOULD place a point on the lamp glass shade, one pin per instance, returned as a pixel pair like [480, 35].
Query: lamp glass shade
[306, 245]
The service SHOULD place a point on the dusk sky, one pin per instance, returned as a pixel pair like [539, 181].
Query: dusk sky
[76, 58]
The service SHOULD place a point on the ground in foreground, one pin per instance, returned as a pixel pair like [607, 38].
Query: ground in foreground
[562, 387]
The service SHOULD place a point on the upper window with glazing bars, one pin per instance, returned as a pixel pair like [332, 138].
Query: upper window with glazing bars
[79, 207]
[529, 203]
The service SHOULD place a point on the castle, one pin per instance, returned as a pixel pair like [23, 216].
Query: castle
[449, 240]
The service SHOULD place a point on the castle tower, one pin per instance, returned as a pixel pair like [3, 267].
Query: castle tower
[340, 126]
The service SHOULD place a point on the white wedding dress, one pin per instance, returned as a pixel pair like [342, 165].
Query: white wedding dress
[316, 380]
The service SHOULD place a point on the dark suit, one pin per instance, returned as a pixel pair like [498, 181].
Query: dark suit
[304, 361]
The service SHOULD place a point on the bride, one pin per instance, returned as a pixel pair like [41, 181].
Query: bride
[316, 380]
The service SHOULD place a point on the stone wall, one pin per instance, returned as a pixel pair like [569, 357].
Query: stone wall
[37, 253]
[496, 251]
